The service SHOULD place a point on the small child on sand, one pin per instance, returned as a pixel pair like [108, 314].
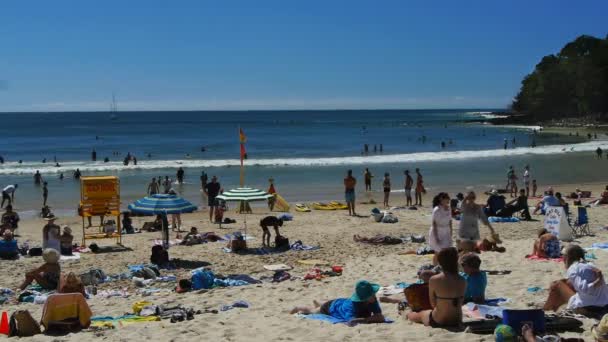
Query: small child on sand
[476, 279]
[547, 245]
[534, 188]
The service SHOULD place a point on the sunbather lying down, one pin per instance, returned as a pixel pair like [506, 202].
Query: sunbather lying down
[361, 307]
[490, 244]
[378, 240]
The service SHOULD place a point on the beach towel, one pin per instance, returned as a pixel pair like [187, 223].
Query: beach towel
[74, 256]
[285, 217]
[485, 310]
[534, 289]
[277, 267]
[599, 245]
[59, 307]
[159, 242]
[333, 320]
[313, 262]
[495, 219]
[299, 246]
[536, 257]
[107, 321]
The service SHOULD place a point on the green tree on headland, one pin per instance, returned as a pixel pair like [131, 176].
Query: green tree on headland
[573, 83]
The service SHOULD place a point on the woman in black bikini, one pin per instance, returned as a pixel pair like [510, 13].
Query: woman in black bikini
[446, 294]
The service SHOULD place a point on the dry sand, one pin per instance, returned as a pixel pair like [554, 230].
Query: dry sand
[267, 319]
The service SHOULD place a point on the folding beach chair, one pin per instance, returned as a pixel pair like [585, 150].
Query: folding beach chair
[580, 227]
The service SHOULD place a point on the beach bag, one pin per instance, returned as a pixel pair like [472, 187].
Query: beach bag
[23, 324]
[92, 277]
[281, 242]
[202, 279]
[417, 296]
[534, 318]
[159, 256]
[36, 251]
[109, 227]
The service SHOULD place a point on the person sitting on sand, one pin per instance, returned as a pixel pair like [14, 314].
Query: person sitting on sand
[8, 246]
[547, 245]
[468, 228]
[47, 275]
[446, 294]
[585, 290]
[127, 223]
[361, 307]
[66, 239]
[494, 203]
[266, 222]
[518, 204]
[477, 280]
[440, 233]
[456, 204]
[192, 238]
[603, 199]
[70, 283]
[9, 220]
[549, 200]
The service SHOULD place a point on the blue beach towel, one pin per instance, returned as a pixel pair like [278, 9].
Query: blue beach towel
[333, 320]
[495, 219]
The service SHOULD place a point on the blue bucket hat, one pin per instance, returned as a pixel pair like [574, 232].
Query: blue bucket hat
[364, 290]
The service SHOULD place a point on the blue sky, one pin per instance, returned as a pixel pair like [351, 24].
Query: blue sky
[158, 55]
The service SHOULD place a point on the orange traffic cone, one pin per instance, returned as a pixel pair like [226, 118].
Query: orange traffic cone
[4, 324]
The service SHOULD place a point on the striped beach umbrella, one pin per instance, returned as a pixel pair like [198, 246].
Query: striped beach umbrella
[244, 195]
[161, 204]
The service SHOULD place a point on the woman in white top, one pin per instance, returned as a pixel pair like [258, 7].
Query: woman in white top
[584, 288]
[440, 233]
[50, 234]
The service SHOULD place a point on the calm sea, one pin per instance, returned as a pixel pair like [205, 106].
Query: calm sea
[307, 152]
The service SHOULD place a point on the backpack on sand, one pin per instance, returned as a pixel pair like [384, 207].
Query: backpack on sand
[23, 324]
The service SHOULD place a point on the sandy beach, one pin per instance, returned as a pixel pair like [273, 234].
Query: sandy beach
[267, 318]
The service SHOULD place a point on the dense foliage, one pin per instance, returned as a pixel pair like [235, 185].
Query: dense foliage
[573, 83]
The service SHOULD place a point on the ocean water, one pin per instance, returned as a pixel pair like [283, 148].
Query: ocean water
[307, 152]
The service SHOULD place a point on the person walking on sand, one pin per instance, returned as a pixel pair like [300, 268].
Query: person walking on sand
[211, 190]
[419, 187]
[153, 187]
[527, 180]
[386, 186]
[167, 185]
[349, 192]
[367, 176]
[409, 182]
[8, 194]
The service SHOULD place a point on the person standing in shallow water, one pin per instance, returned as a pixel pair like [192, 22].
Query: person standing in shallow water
[409, 182]
[45, 193]
[367, 175]
[349, 192]
[419, 187]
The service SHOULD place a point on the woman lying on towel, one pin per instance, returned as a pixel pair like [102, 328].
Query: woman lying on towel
[378, 240]
[46, 275]
[585, 290]
[446, 294]
[547, 245]
[361, 307]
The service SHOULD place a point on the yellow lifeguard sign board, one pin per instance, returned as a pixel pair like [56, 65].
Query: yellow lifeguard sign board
[100, 196]
[100, 188]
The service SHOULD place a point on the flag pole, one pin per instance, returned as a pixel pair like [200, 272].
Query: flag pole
[242, 181]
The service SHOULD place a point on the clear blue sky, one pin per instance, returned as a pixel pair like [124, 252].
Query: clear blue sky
[71, 55]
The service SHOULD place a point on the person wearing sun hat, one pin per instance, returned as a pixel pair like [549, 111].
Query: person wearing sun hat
[50, 234]
[46, 275]
[361, 307]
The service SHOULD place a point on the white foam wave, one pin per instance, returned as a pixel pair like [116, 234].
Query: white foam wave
[68, 167]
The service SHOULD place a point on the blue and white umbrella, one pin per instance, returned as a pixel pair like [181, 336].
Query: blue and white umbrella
[161, 204]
